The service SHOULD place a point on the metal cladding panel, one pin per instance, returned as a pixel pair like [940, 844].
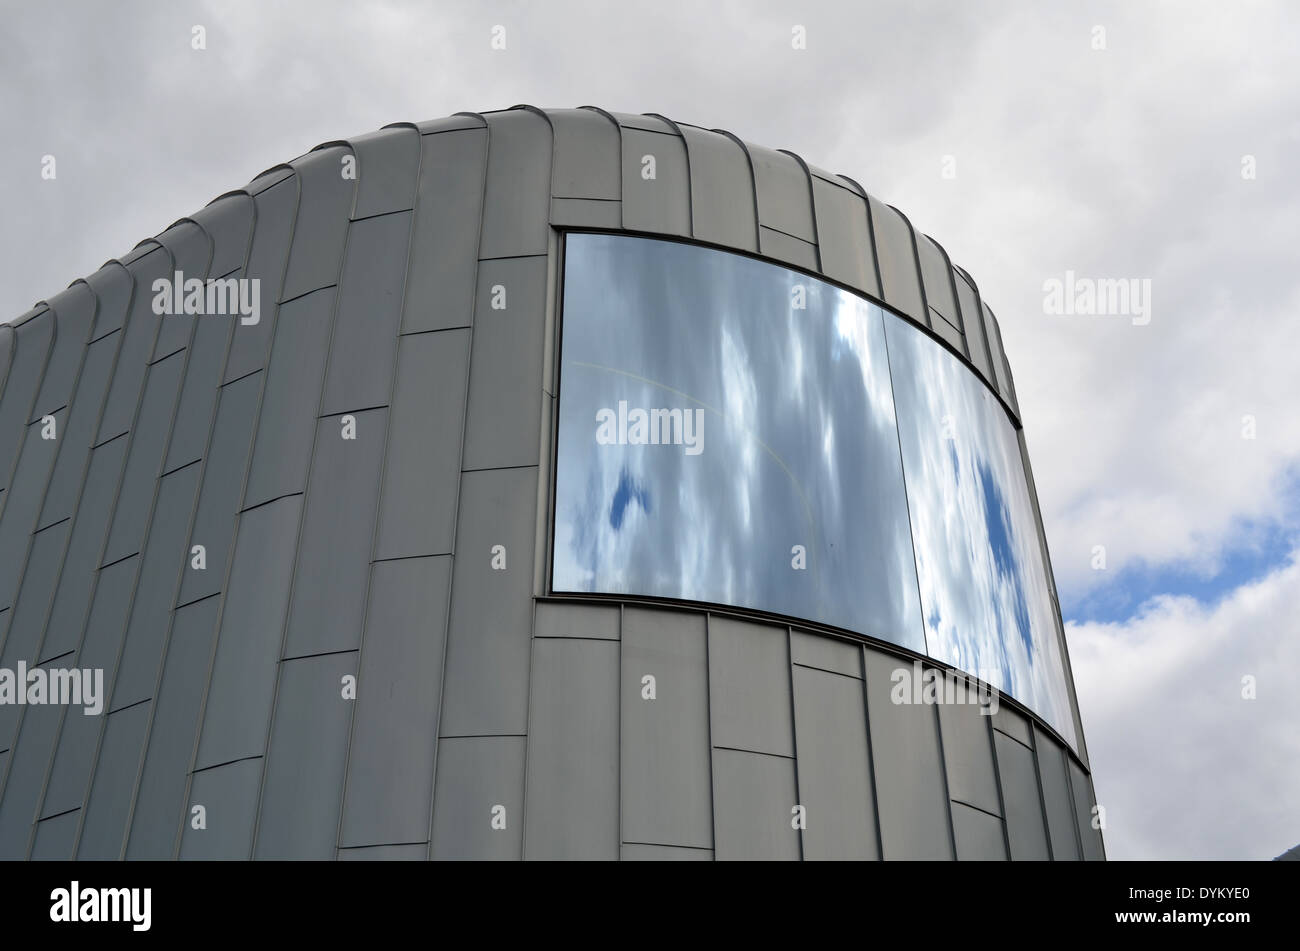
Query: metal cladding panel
[302, 790]
[784, 193]
[456, 123]
[973, 322]
[968, 753]
[160, 799]
[755, 796]
[268, 255]
[910, 785]
[417, 299]
[1024, 807]
[163, 561]
[485, 687]
[144, 460]
[844, 237]
[190, 251]
[55, 837]
[586, 155]
[223, 480]
[978, 834]
[656, 183]
[364, 346]
[576, 620]
[242, 682]
[390, 767]
[23, 502]
[228, 221]
[749, 687]
[108, 801]
[994, 337]
[899, 275]
[826, 653]
[835, 784]
[330, 583]
[505, 378]
[444, 243]
[199, 393]
[944, 315]
[22, 792]
[112, 286]
[417, 513]
[782, 247]
[1057, 800]
[226, 796]
[388, 167]
[320, 231]
[31, 345]
[722, 190]
[572, 801]
[1012, 724]
[478, 802]
[74, 759]
[586, 213]
[27, 619]
[516, 199]
[137, 344]
[290, 400]
[1081, 786]
[1008, 385]
[73, 312]
[665, 764]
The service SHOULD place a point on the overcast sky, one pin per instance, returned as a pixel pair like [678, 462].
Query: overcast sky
[1129, 161]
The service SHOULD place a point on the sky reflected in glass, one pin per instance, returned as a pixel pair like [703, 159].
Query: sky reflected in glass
[718, 442]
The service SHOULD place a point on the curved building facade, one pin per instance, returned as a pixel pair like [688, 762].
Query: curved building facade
[533, 484]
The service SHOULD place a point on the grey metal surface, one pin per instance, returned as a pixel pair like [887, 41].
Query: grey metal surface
[1026, 833]
[910, 783]
[375, 557]
[391, 751]
[835, 782]
[664, 722]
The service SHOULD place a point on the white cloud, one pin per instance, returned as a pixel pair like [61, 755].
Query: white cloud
[1184, 766]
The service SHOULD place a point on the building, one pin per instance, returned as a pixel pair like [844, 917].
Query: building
[567, 485]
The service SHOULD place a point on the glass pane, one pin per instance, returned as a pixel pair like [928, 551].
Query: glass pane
[983, 579]
[718, 442]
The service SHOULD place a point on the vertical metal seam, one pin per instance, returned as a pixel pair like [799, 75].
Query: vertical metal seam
[708, 709]
[379, 494]
[753, 187]
[871, 753]
[997, 781]
[812, 207]
[943, 772]
[458, 493]
[794, 736]
[1042, 793]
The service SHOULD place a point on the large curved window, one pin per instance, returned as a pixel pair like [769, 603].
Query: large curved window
[729, 434]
